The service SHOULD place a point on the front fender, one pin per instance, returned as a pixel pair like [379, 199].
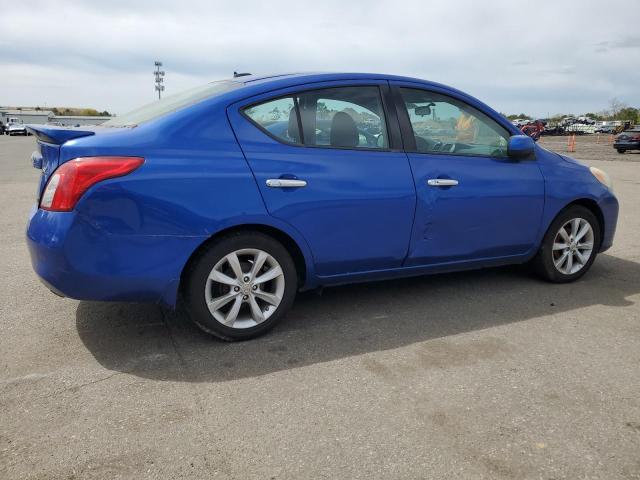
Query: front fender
[568, 181]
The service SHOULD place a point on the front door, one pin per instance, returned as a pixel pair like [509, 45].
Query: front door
[474, 202]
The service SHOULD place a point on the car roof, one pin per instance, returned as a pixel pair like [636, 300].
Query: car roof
[296, 78]
[258, 84]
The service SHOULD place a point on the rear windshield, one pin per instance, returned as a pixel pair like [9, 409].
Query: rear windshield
[171, 103]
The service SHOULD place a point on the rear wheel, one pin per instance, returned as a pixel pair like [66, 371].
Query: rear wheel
[569, 247]
[620, 150]
[241, 286]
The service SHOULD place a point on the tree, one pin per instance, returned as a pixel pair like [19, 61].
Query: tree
[519, 115]
[275, 114]
[595, 116]
[323, 111]
[629, 113]
[615, 106]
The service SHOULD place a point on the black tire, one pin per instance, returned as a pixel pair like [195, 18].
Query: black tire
[620, 150]
[201, 267]
[543, 262]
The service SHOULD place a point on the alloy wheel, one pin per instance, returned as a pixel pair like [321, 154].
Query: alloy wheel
[244, 288]
[573, 246]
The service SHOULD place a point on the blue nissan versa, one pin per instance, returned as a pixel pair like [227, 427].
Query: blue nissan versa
[238, 194]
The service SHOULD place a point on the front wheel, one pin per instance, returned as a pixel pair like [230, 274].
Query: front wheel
[620, 150]
[240, 286]
[569, 247]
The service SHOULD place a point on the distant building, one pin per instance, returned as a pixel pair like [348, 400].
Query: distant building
[46, 116]
[73, 120]
[26, 116]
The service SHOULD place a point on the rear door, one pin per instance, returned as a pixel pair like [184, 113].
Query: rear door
[327, 160]
[474, 202]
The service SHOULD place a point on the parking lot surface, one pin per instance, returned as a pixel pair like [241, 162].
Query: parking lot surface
[490, 374]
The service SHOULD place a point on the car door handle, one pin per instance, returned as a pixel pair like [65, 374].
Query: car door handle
[285, 183]
[442, 182]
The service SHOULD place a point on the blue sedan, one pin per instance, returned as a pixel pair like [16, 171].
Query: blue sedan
[238, 194]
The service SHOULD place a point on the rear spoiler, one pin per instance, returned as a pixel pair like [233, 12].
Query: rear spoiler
[57, 135]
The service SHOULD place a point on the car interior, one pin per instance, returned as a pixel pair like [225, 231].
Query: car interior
[445, 125]
[349, 117]
[353, 117]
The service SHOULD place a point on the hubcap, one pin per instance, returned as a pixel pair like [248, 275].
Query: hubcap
[573, 246]
[244, 288]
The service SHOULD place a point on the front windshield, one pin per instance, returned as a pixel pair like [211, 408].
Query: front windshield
[171, 104]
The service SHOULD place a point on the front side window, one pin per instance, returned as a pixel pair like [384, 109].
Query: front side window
[443, 124]
[344, 117]
[278, 117]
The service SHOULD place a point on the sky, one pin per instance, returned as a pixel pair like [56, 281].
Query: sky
[540, 58]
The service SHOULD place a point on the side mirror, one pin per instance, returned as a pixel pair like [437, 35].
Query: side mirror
[520, 146]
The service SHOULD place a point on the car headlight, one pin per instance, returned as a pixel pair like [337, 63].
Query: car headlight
[602, 177]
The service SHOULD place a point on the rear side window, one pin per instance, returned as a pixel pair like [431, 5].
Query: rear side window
[345, 117]
[277, 117]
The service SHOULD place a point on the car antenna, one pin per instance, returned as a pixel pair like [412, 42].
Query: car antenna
[236, 74]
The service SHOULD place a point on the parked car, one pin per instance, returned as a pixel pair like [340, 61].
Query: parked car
[608, 129]
[628, 140]
[2, 128]
[236, 195]
[17, 129]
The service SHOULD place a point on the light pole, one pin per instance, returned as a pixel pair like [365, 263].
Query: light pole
[159, 78]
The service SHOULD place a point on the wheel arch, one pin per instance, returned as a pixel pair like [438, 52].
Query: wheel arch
[295, 246]
[591, 205]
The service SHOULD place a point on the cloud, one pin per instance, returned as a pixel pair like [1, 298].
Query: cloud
[513, 56]
[623, 43]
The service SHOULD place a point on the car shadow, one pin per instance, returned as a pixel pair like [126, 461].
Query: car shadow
[153, 342]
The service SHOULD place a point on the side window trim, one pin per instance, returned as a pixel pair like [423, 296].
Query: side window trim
[406, 129]
[298, 118]
[394, 133]
[408, 134]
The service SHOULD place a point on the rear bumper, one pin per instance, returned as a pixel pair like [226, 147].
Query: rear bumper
[76, 260]
[627, 145]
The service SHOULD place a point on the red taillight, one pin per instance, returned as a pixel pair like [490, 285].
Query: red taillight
[73, 178]
[636, 138]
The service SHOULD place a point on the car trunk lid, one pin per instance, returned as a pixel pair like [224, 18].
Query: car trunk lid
[49, 140]
[631, 135]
